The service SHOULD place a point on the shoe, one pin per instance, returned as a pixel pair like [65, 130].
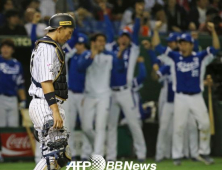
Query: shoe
[177, 162]
[84, 159]
[195, 160]
[110, 160]
[159, 160]
[141, 160]
[74, 158]
[205, 159]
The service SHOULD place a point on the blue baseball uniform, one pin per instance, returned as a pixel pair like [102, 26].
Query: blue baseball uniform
[188, 77]
[122, 97]
[11, 78]
[136, 86]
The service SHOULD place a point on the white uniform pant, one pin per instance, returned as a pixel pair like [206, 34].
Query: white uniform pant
[162, 100]
[191, 138]
[40, 113]
[74, 107]
[96, 109]
[9, 115]
[124, 100]
[184, 104]
[164, 139]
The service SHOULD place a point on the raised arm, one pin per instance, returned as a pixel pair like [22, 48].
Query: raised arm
[69, 45]
[215, 39]
[136, 27]
[33, 35]
[142, 70]
[85, 60]
[194, 34]
[154, 61]
[109, 27]
[156, 37]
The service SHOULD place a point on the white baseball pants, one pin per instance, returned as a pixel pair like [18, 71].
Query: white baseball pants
[164, 139]
[162, 100]
[40, 112]
[96, 109]
[74, 107]
[124, 100]
[184, 104]
[9, 115]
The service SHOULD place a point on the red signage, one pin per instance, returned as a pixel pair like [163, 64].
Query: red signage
[16, 145]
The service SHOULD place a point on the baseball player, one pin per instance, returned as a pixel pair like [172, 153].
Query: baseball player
[76, 84]
[139, 114]
[12, 84]
[188, 69]
[49, 90]
[164, 142]
[98, 64]
[128, 48]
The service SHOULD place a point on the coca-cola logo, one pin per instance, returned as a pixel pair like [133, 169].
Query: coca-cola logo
[18, 142]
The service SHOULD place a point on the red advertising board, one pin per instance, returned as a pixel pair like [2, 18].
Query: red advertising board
[16, 144]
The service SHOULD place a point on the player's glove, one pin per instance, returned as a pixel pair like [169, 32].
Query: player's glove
[22, 104]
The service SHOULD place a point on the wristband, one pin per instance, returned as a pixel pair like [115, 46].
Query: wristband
[50, 98]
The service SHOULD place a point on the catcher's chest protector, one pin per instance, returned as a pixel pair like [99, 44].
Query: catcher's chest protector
[60, 83]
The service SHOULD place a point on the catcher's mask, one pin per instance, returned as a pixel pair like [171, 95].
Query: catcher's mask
[55, 144]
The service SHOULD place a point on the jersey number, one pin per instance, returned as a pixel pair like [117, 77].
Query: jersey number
[195, 73]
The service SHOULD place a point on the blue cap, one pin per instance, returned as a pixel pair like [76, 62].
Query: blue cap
[187, 38]
[125, 32]
[172, 37]
[82, 38]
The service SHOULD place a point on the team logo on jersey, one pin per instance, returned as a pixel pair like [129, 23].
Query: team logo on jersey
[9, 70]
[188, 66]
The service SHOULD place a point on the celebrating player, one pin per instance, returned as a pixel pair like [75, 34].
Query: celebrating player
[127, 48]
[49, 91]
[98, 64]
[164, 139]
[188, 69]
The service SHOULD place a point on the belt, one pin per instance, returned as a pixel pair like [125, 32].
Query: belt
[58, 101]
[120, 88]
[190, 94]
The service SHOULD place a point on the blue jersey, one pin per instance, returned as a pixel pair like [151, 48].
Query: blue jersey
[165, 71]
[129, 55]
[188, 72]
[76, 78]
[11, 77]
[138, 81]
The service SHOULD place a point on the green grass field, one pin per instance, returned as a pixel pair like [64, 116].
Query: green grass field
[165, 165]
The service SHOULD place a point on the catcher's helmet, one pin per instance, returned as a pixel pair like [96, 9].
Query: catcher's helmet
[61, 19]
